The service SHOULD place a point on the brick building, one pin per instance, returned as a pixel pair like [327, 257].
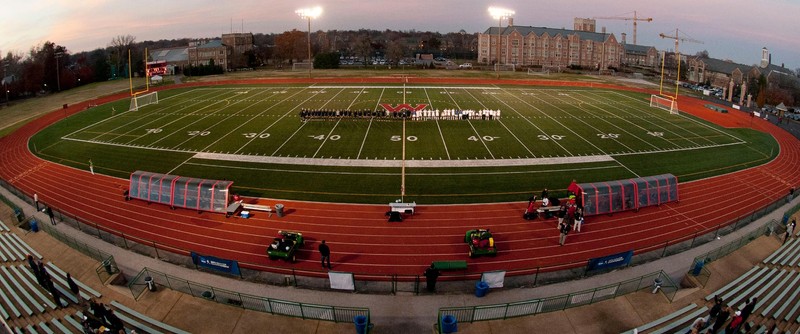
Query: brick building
[641, 55]
[203, 52]
[239, 46]
[549, 47]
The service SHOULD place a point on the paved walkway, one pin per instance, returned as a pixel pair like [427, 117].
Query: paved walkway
[402, 313]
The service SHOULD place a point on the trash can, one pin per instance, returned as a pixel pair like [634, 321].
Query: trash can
[698, 267]
[107, 267]
[481, 288]
[361, 324]
[279, 210]
[449, 324]
[19, 215]
[657, 284]
[150, 284]
[208, 295]
[34, 225]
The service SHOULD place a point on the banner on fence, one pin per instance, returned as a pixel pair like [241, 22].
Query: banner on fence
[494, 278]
[210, 262]
[342, 281]
[610, 261]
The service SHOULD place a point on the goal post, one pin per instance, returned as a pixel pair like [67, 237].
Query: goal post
[505, 67]
[302, 66]
[138, 101]
[664, 102]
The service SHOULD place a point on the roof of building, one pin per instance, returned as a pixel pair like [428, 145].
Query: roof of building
[539, 31]
[723, 66]
[214, 43]
[170, 55]
[776, 68]
[637, 49]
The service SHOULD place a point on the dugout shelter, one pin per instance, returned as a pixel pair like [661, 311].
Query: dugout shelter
[630, 194]
[180, 192]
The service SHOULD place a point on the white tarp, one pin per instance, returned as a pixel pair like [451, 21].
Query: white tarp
[494, 279]
[342, 281]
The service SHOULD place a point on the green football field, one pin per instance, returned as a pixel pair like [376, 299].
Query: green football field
[535, 138]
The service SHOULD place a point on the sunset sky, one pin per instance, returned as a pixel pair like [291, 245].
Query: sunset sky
[731, 29]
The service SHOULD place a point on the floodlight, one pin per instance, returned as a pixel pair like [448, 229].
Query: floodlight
[309, 13]
[499, 13]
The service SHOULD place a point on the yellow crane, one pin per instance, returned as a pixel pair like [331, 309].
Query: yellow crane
[677, 39]
[635, 20]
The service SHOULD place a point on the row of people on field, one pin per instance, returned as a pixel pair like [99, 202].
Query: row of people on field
[414, 115]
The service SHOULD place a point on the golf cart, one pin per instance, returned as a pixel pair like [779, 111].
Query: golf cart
[480, 242]
[285, 246]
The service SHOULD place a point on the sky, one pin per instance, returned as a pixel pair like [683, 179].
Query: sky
[729, 29]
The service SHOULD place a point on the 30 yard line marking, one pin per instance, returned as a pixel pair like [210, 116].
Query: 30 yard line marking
[273, 123]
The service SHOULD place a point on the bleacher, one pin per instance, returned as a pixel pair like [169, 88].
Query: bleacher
[143, 322]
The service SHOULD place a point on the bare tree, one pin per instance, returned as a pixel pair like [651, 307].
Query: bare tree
[120, 45]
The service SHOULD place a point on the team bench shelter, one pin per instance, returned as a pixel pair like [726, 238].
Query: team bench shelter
[181, 192]
[631, 194]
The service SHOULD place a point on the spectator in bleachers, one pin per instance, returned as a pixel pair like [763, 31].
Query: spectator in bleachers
[748, 308]
[716, 308]
[789, 230]
[698, 325]
[722, 317]
[733, 327]
[114, 321]
[56, 296]
[72, 285]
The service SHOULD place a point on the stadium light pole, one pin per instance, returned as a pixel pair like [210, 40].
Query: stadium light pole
[58, 77]
[309, 13]
[499, 14]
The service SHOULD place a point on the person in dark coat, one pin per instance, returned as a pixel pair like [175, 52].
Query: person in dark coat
[34, 267]
[114, 321]
[42, 273]
[325, 251]
[716, 308]
[722, 317]
[431, 275]
[748, 308]
[49, 213]
[72, 285]
[56, 296]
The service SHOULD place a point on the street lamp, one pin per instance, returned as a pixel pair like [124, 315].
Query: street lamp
[309, 13]
[498, 14]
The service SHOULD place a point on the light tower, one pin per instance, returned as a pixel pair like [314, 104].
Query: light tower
[309, 13]
[498, 14]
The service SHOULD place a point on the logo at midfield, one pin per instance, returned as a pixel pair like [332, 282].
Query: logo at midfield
[403, 106]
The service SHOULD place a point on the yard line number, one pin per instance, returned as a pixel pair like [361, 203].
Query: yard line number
[253, 135]
[550, 137]
[485, 138]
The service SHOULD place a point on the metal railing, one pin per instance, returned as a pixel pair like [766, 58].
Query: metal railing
[558, 303]
[394, 283]
[339, 314]
[107, 266]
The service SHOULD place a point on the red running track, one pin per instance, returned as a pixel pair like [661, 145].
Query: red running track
[361, 239]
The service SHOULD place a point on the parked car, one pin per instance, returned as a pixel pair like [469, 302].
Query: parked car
[465, 65]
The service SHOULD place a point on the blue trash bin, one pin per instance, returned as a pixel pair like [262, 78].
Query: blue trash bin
[481, 288]
[449, 324]
[361, 324]
[698, 267]
[34, 225]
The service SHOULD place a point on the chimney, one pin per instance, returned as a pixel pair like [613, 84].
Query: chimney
[770, 59]
[510, 21]
[603, 30]
[623, 37]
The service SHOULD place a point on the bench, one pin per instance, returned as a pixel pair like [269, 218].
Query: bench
[776, 289]
[257, 207]
[27, 281]
[12, 250]
[4, 227]
[64, 293]
[20, 301]
[68, 294]
[450, 265]
[74, 322]
[785, 305]
[9, 305]
[732, 284]
[61, 326]
[144, 318]
[26, 246]
[765, 282]
[688, 318]
[778, 252]
[79, 283]
[43, 326]
[663, 319]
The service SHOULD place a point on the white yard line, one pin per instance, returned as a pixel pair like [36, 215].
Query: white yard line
[438, 127]
[369, 126]
[273, 123]
[398, 163]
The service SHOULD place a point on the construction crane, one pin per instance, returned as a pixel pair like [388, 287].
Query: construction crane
[677, 39]
[635, 20]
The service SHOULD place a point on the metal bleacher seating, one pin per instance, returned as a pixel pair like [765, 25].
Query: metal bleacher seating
[64, 292]
[17, 298]
[61, 327]
[143, 322]
[44, 328]
[56, 270]
[4, 227]
[26, 280]
[660, 321]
